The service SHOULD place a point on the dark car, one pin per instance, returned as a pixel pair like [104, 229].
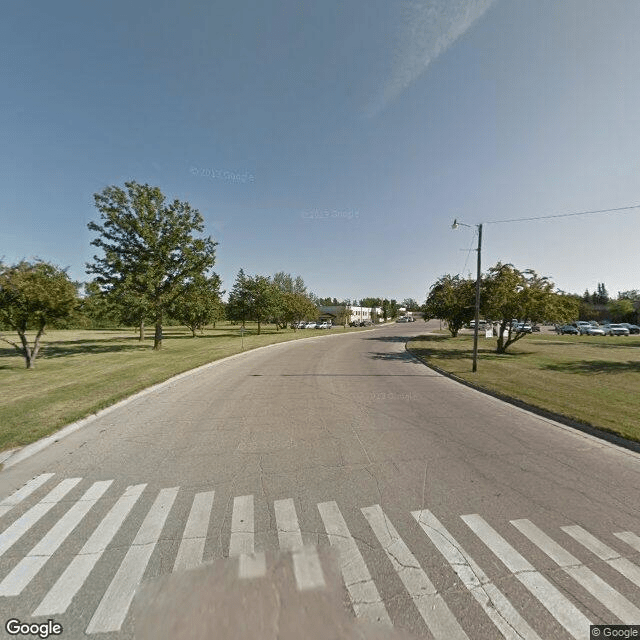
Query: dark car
[569, 328]
[633, 328]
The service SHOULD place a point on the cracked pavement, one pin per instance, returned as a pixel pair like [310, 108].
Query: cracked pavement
[346, 418]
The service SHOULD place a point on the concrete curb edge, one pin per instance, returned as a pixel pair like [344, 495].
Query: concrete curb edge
[558, 418]
[18, 455]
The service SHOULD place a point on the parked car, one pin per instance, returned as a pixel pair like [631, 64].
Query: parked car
[523, 327]
[633, 328]
[403, 319]
[582, 326]
[569, 329]
[323, 325]
[311, 325]
[615, 330]
[593, 331]
[354, 323]
[299, 325]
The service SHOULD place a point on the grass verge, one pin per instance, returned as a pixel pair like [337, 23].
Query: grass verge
[79, 372]
[589, 379]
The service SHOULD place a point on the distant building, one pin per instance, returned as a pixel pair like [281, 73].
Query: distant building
[355, 314]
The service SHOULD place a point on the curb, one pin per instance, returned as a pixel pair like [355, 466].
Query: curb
[13, 456]
[599, 434]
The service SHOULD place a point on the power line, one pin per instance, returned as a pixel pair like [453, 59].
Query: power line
[566, 215]
[469, 252]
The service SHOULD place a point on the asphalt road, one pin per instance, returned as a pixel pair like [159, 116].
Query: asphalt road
[334, 466]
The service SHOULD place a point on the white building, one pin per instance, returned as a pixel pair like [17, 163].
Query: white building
[355, 314]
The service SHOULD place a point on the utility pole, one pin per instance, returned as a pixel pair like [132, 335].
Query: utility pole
[474, 367]
[455, 225]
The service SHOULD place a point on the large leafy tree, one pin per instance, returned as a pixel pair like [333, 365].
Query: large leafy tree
[452, 299]
[199, 304]
[149, 247]
[238, 306]
[296, 307]
[263, 298]
[509, 294]
[32, 295]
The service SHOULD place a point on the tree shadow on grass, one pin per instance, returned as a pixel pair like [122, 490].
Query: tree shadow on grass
[432, 338]
[62, 350]
[594, 366]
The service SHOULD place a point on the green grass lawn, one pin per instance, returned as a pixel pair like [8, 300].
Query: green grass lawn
[591, 379]
[79, 372]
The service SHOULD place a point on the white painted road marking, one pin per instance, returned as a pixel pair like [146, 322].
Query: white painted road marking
[566, 613]
[502, 613]
[289, 535]
[430, 604]
[115, 603]
[242, 543]
[306, 563]
[364, 595]
[612, 558]
[195, 532]
[18, 496]
[30, 565]
[74, 576]
[630, 538]
[13, 533]
[596, 586]
[242, 530]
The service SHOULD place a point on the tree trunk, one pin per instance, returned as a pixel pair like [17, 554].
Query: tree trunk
[30, 354]
[141, 329]
[157, 339]
[258, 327]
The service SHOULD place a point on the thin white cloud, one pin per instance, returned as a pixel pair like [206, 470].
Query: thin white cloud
[429, 27]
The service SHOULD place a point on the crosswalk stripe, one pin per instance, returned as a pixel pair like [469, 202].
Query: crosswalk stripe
[306, 563]
[13, 533]
[69, 583]
[430, 604]
[501, 612]
[115, 603]
[365, 599]
[612, 558]
[596, 586]
[242, 531]
[22, 574]
[241, 544]
[18, 496]
[289, 535]
[567, 614]
[630, 538]
[195, 532]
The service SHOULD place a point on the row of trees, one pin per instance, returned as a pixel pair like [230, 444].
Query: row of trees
[506, 293]
[154, 266]
[599, 305]
[280, 299]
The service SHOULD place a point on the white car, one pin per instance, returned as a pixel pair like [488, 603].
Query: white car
[323, 325]
[593, 331]
[615, 330]
[311, 325]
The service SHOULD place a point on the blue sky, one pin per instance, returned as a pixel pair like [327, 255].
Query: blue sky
[359, 129]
